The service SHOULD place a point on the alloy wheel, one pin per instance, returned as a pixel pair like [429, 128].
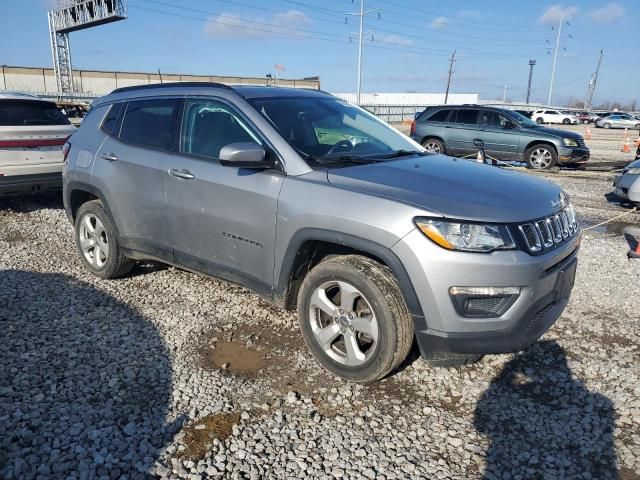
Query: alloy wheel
[541, 158]
[93, 240]
[432, 147]
[343, 323]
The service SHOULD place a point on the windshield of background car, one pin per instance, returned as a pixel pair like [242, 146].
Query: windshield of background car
[522, 120]
[27, 112]
[325, 128]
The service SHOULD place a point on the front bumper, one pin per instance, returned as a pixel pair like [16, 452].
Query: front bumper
[21, 184]
[545, 282]
[568, 155]
[627, 187]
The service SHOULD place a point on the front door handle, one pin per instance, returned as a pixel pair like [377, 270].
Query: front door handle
[112, 157]
[181, 173]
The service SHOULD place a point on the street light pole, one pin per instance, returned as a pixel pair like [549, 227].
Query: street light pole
[555, 58]
[531, 64]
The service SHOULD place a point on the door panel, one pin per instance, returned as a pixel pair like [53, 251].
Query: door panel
[499, 142]
[222, 220]
[463, 132]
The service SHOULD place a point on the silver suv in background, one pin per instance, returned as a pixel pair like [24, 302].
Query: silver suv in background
[319, 206]
[32, 135]
[618, 120]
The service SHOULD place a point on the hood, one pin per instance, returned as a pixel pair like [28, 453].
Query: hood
[556, 132]
[454, 188]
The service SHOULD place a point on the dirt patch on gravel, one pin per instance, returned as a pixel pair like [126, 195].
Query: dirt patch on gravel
[199, 435]
[13, 236]
[236, 358]
[627, 474]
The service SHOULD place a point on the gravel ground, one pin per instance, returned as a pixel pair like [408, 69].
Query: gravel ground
[171, 374]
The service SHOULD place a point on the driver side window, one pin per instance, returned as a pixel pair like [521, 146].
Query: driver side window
[209, 125]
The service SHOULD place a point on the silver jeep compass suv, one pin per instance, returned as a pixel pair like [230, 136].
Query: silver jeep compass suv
[318, 206]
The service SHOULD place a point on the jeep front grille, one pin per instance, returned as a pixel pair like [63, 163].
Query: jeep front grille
[550, 232]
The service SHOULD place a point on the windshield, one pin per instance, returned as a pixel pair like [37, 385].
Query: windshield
[332, 129]
[522, 120]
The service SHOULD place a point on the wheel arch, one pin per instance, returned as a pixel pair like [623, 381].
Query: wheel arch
[77, 193]
[310, 246]
[532, 143]
[433, 137]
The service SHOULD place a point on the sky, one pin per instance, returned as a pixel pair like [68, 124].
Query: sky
[406, 46]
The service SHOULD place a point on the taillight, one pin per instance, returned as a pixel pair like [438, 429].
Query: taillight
[413, 127]
[65, 151]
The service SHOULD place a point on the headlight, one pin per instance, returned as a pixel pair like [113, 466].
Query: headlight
[570, 142]
[632, 171]
[466, 237]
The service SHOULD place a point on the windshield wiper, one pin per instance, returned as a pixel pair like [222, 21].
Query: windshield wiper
[402, 153]
[346, 158]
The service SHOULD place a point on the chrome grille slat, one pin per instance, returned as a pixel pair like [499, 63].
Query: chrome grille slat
[550, 232]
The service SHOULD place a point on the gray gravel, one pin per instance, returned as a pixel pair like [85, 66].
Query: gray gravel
[110, 379]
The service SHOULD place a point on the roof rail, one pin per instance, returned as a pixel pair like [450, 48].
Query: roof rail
[171, 84]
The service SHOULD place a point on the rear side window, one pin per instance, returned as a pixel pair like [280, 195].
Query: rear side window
[112, 121]
[26, 112]
[439, 116]
[469, 117]
[150, 123]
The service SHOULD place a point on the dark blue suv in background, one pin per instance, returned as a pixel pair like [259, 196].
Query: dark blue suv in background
[507, 135]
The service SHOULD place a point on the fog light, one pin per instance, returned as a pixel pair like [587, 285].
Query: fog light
[483, 302]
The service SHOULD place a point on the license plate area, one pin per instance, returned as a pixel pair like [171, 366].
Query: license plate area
[565, 281]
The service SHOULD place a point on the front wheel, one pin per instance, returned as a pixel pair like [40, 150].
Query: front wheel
[566, 121]
[354, 318]
[607, 125]
[539, 120]
[433, 145]
[97, 242]
[540, 157]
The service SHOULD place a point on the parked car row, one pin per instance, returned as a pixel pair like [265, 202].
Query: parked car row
[507, 135]
[618, 120]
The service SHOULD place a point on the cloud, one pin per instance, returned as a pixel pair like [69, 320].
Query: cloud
[394, 39]
[231, 25]
[552, 15]
[439, 23]
[608, 14]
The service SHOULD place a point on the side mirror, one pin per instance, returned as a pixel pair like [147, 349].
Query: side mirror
[478, 143]
[244, 155]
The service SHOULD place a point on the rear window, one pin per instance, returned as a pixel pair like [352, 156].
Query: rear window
[26, 112]
[150, 123]
[439, 116]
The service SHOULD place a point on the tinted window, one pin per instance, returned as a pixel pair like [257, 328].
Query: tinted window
[113, 118]
[439, 116]
[467, 116]
[150, 123]
[208, 126]
[26, 112]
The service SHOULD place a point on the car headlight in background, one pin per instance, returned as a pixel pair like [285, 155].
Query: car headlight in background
[570, 142]
[632, 171]
[466, 237]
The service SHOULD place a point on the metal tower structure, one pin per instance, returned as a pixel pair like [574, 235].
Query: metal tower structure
[70, 16]
[592, 82]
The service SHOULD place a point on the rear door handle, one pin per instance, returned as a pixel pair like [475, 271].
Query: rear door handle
[112, 157]
[181, 173]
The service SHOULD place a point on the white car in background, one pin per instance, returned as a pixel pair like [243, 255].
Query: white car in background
[32, 135]
[553, 116]
[627, 184]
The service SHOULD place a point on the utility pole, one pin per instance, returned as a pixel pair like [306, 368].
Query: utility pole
[504, 94]
[451, 60]
[531, 64]
[360, 36]
[592, 82]
[555, 58]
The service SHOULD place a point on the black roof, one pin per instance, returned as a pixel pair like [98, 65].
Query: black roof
[246, 91]
[152, 86]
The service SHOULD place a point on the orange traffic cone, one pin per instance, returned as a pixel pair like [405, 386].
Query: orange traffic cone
[626, 147]
[587, 134]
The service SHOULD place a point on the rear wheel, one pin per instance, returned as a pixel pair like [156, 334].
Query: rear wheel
[433, 145]
[607, 125]
[539, 120]
[540, 157]
[354, 318]
[97, 242]
[566, 121]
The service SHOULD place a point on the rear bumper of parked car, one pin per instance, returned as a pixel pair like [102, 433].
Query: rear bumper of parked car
[21, 184]
[544, 284]
[573, 155]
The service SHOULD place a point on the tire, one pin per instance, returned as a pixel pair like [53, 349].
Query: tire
[374, 295]
[434, 145]
[541, 156]
[539, 120]
[566, 121]
[97, 242]
[607, 125]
